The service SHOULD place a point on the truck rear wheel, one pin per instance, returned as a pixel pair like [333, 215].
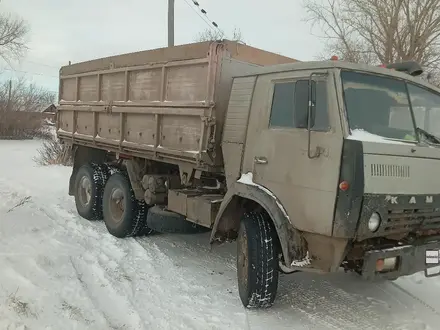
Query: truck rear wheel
[124, 215]
[257, 261]
[89, 186]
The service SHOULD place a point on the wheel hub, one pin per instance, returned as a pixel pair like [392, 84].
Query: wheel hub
[117, 205]
[85, 190]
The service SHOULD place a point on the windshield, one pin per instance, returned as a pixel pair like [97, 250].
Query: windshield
[378, 105]
[426, 108]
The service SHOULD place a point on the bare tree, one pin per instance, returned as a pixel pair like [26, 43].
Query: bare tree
[24, 97]
[217, 34]
[20, 115]
[379, 31]
[13, 37]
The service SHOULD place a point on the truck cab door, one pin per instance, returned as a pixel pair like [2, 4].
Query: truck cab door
[300, 167]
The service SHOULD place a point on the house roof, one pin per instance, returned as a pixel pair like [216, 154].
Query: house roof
[48, 108]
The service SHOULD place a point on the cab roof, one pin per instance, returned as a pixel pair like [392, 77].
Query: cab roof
[341, 65]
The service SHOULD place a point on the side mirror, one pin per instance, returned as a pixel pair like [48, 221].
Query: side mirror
[305, 103]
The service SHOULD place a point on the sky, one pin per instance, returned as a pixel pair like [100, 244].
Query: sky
[80, 30]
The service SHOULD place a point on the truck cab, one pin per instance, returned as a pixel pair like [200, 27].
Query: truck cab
[344, 156]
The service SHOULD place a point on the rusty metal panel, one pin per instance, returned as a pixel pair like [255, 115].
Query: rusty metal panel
[65, 120]
[171, 100]
[108, 126]
[68, 89]
[160, 55]
[200, 209]
[140, 128]
[84, 123]
[238, 110]
[180, 132]
[177, 201]
[87, 89]
[113, 87]
[203, 209]
[187, 83]
[145, 85]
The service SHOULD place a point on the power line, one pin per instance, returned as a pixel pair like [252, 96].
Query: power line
[203, 11]
[210, 25]
[42, 64]
[29, 72]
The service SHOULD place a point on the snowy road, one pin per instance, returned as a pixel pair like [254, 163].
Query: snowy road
[58, 271]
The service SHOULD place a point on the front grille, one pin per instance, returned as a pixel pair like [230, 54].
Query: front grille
[410, 220]
[390, 170]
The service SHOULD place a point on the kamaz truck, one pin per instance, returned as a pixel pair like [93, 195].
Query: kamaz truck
[308, 166]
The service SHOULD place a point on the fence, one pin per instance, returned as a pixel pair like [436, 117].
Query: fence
[21, 124]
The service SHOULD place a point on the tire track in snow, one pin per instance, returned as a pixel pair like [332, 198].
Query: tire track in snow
[346, 302]
[315, 300]
[189, 289]
[115, 308]
[88, 238]
[156, 263]
[434, 310]
[321, 302]
[42, 272]
[103, 270]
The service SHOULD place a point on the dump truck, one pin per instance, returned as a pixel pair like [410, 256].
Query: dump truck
[309, 166]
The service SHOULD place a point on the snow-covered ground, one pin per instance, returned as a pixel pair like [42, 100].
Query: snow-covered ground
[58, 271]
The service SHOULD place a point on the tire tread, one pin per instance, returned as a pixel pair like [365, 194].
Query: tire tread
[263, 261]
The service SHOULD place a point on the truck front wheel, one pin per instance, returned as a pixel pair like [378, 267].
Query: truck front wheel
[257, 261]
[124, 215]
[89, 186]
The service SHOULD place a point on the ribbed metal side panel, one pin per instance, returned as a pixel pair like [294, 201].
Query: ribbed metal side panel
[234, 130]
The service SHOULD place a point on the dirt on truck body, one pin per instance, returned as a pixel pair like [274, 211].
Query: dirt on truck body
[310, 166]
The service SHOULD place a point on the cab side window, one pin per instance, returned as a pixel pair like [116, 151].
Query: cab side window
[290, 105]
[282, 105]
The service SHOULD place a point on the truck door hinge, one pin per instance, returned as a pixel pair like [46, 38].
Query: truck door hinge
[209, 121]
[108, 107]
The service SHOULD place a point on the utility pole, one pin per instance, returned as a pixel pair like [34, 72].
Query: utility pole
[9, 95]
[170, 23]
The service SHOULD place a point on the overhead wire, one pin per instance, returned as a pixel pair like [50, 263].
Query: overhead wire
[203, 18]
[42, 64]
[29, 72]
[204, 12]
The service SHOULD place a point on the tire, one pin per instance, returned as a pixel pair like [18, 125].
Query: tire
[111, 169]
[163, 221]
[257, 261]
[124, 215]
[89, 187]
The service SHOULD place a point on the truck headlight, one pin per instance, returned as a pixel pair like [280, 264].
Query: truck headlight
[374, 222]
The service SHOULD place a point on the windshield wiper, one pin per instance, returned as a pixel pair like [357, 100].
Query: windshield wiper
[428, 136]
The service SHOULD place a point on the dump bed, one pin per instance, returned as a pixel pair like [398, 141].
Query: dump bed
[166, 104]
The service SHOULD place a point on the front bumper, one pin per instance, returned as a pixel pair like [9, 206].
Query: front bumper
[410, 259]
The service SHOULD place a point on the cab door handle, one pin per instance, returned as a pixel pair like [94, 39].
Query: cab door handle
[260, 160]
